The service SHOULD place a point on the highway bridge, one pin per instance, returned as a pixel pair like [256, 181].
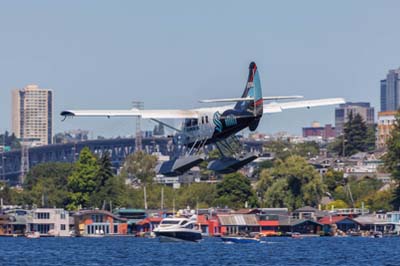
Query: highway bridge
[119, 148]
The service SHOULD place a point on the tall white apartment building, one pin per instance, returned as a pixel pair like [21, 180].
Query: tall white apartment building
[32, 110]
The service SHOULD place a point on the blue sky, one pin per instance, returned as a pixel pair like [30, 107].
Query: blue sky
[170, 54]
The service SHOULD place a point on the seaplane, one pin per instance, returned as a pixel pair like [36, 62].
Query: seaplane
[217, 125]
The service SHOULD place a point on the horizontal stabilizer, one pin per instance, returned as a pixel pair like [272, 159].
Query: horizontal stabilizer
[227, 100]
[275, 107]
[267, 98]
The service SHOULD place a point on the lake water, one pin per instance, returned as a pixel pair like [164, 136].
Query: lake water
[211, 251]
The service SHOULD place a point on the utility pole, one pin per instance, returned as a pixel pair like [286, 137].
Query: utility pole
[145, 197]
[162, 199]
[138, 138]
[2, 158]
[24, 160]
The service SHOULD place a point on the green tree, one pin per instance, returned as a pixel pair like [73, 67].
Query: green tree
[378, 201]
[333, 179]
[46, 185]
[371, 138]
[306, 149]
[83, 180]
[356, 137]
[355, 134]
[392, 159]
[336, 204]
[140, 165]
[6, 193]
[280, 148]
[234, 191]
[291, 183]
[109, 188]
[10, 140]
[197, 194]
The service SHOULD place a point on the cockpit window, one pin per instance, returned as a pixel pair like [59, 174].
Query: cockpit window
[191, 122]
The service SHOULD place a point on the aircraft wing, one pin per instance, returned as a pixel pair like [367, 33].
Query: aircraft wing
[275, 107]
[156, 114]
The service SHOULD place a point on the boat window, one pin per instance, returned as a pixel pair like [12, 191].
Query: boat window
[202, 119]
[190, 226]
[206, 119]
[184, 222]
[170, 222]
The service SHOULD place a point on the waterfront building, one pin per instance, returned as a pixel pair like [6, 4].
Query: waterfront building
[99, 222]
[147, 225]
[235, 224]
[309, 212]
[343, 223]
[132, 217]
[390, 91]
[376, 222]
[14, 222]
[49, 222]
[316, 130]
[342, 112]
[385, 124]
[32, 110]
[302, 226]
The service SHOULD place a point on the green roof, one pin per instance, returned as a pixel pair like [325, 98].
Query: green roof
[130, 211]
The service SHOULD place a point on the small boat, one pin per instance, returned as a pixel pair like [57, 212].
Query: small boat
[377, 234]
[32, 235]
[240, 239]
[177, 229]
[296, 235]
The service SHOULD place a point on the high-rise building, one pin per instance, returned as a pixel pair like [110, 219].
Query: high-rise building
[342, 112]
[385, 125]
[32, 110]
[390, 91]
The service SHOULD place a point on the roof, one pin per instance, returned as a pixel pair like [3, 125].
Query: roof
[130, 211]
[238, 219]
[246, 211]
[149, 220]
[306, 209]
[294, 222]
[334, 219]
[89, 212]
[369, 219]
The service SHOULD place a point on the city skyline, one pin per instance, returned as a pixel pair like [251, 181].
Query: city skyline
[111, 54]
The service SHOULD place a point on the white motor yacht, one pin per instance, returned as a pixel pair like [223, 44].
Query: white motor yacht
[177, 229]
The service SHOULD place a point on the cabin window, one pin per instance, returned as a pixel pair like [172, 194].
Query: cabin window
[206, 119]
[202, 119]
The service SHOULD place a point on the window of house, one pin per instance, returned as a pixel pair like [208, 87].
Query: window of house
[42, 215]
